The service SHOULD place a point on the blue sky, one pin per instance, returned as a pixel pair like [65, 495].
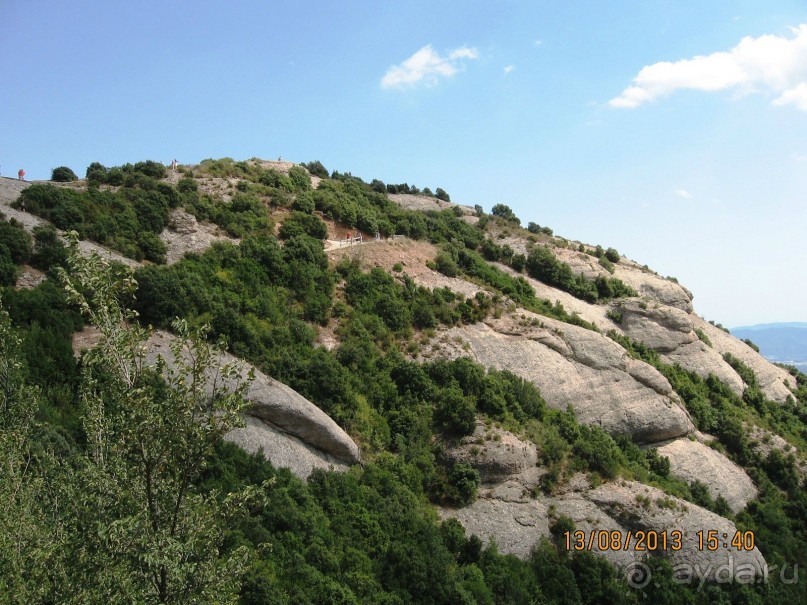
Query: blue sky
[674, 131]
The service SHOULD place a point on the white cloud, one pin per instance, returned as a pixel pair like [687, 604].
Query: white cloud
[769, 63]
[683, 193]
[508, 69]
[427, 66]
[796, 95]
[539, 42]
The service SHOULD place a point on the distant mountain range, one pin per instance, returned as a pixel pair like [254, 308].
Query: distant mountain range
[780, 342]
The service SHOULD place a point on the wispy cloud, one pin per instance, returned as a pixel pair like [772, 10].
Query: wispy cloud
[538, 42]
[426, 66]
[509, 69]
[770, 63]
[683, 193]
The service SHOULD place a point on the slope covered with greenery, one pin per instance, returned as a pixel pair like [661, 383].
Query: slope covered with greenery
[110, 495]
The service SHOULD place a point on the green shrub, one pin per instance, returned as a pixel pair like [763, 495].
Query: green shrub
[63, 174]
[16, 242]
[440, 194]
[445, 264]
[454, 413]
[612, 255]
[299, 223]
[606, 264]
[317, 169]
[463, 481]
[96, 172]
[152, 247]
[300, 178]
[703, 337]
[304, 202]
[187, 184]
[8, 268]
[151, 169]
[505, 212]
[49, 251]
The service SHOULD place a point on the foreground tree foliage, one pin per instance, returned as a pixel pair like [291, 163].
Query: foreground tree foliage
[122, 522]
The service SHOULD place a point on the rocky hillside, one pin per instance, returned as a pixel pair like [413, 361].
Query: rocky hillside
[606, 344]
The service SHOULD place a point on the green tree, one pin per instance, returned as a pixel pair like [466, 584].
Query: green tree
[30, 540]
[441, 194]
[505, 212]
[63, 174]
[138, 527]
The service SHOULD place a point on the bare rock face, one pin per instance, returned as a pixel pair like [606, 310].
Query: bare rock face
[184, 234]
[291, 430]
[693, 461]
[29, 278]
[654, 287]
[515, 526]
[639, 507]
[518, 523]
[584, 369]
[282, 449]
[494, 452]
[774, 382]
[660, 327]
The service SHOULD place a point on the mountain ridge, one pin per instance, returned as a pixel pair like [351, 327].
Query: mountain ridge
[603, 339]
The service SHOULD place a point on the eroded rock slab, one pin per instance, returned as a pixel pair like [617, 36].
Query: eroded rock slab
[640, 507]
[774, 382]
[494, 452]
[282, 449]
[281, 407]
[693, 461]
[584, 369]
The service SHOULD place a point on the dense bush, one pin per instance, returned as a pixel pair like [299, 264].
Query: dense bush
[317, 169]
[542, 265]
[127, 220]
[300, 223]
[63, 174]
[505, 212]
[612, 255]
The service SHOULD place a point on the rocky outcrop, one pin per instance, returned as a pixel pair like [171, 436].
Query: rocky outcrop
[584, 369]
[639, 507]
[693, 461]
[654, 287]
[774, 382]
[184, 234]
[494, 452]
[290, 430]
[29, 278]
[282, 449]
[516, 521]
[282, 409]
[671, 332]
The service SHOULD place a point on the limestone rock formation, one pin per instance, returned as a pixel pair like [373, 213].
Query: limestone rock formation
[639, 507]
[284, 411]
[184, 234]
[494, 452]
[584, 369]
[282, 449]
[518, 524]
[693, 461]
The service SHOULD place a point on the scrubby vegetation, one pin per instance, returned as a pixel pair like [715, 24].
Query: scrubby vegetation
[369, 535]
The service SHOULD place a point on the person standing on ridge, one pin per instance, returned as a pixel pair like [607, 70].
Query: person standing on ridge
[21, 174]
[174, 165]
